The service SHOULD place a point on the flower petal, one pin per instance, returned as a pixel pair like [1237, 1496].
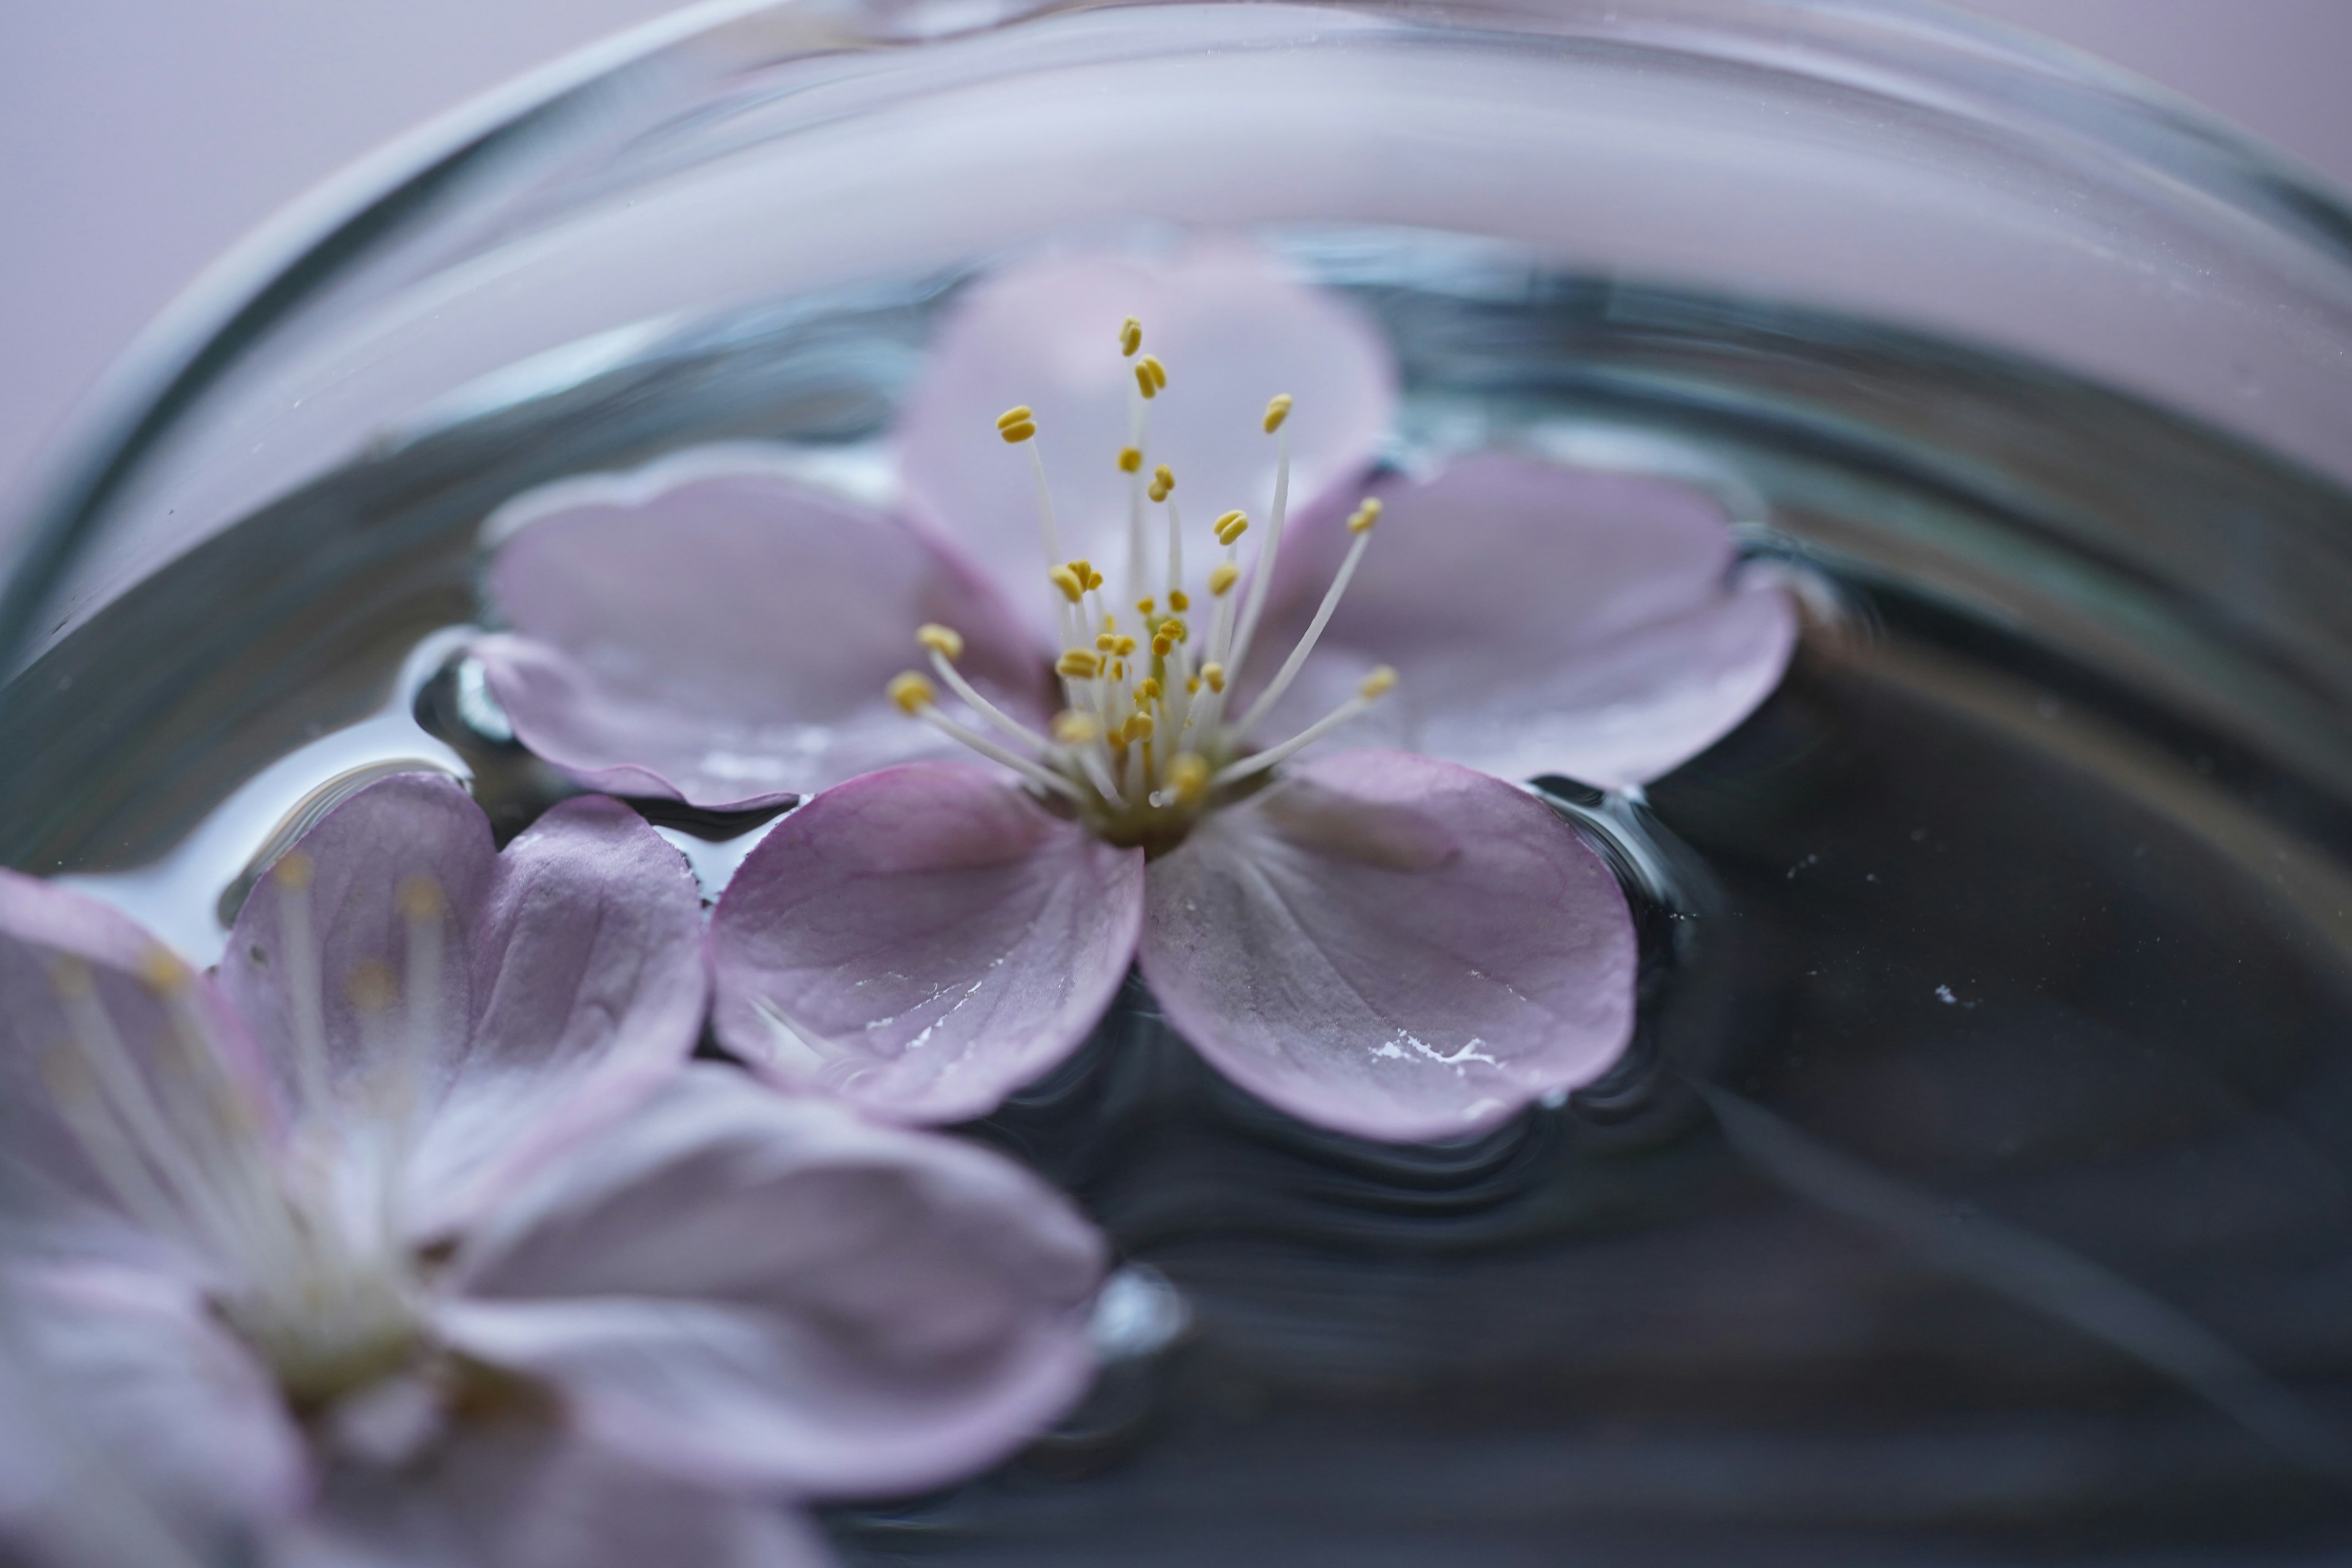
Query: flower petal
[712, 631]
[1544, 619]
[921, 941]
[751, 1290]
[103, 1034]
[161, 1391]
[520, 1497]
[1392, 946]
[570, 985]
[1232, 331]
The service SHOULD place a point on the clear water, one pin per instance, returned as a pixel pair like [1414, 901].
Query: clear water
[1980, 1189]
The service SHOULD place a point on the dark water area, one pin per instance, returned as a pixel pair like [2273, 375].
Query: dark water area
[1980, 1190]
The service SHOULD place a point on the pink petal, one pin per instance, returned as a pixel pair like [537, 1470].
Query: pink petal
[1392, 946]
[156, 1387]
[518, 1496]
[1232, 331]
[921, 941]
[751, 1290]
[50, 1077]
[571, 983]
[1544, 619]
[712, 631]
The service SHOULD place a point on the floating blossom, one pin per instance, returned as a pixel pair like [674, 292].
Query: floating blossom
[408, 1238]
[1386, 943]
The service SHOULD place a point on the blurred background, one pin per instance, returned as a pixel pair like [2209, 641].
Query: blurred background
[140, 139]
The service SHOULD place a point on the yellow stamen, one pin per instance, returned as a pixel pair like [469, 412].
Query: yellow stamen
[1364, 516]
[1193, 684]
[161, 972]
[1230, 527]
[1017, 424]
[1143, 382]
[293, 870]
[1105, 643]
[1214, 674]
[945, 641]
[1277, 409]
[420, 899]
[1222, 577]
[1377, 683]
[1079, 664]
[1073, 728]
[372, 987]
[1130, 336]
[1162, 645]
[1148, 690]
[1126, 647]
[1130, 459]
[1163, 479]
[1188, 775]
[1072, 586]
[1174, 627]
[1159, 371]
[1138, 727]
[1179, 600]
[911, 692]
[1146, 606]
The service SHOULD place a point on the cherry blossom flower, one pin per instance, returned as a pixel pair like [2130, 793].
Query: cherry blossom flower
[1396, 942]
[408, 1239]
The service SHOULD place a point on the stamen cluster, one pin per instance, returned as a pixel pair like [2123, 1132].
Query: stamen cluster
[1145, 742]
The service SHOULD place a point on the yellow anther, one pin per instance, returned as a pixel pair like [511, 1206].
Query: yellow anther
[1106, 642]
[1130, 336]
[1162, 645]
[1378, 682]
[1188, 775]
[1079, 664]
[1093, 578]
[1143, 382]
[1158, 372]
[1277, 409]
[1110, 622]
[420, 899]
[1366, 514]
[1163, 479]
[1192, 683]
[1214, 674]
[1179, 600]
[1126, 647]
[161, 971]
[1232, 526]
[372, 987]
[1017, 424]
[945, 641]
[1130, 459]
[911, 692]
[1221, 578]
[1148, 690]
[1119, 669]
[1138, 727]
[293, 871]
[1147, 606]
[1176, 628]
[1073, 728]
[1073, 586]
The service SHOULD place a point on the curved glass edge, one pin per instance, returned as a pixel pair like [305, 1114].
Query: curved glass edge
[1918, 50]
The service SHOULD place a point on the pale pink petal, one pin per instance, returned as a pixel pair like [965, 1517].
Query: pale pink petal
[515, 1495]
[1543, 620]
[150, 1378]
[921, 941]
[713, 631]
[91, 1051]
[569, 981]
[1392, 946]
[753, 1290]
[1232, 331]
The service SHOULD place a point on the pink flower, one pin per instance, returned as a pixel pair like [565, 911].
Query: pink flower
[1394, 943]
[407, 1238]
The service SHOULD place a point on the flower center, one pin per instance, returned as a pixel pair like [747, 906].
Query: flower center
[1147, 739]
[311, 1264]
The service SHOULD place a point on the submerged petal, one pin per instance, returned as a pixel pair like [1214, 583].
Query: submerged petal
[565, 979]
[751, 1290]
[1392, 946]
[713, 631]
[103, 1038]
[921, 941]
[1233, 331]
[1543, 619]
